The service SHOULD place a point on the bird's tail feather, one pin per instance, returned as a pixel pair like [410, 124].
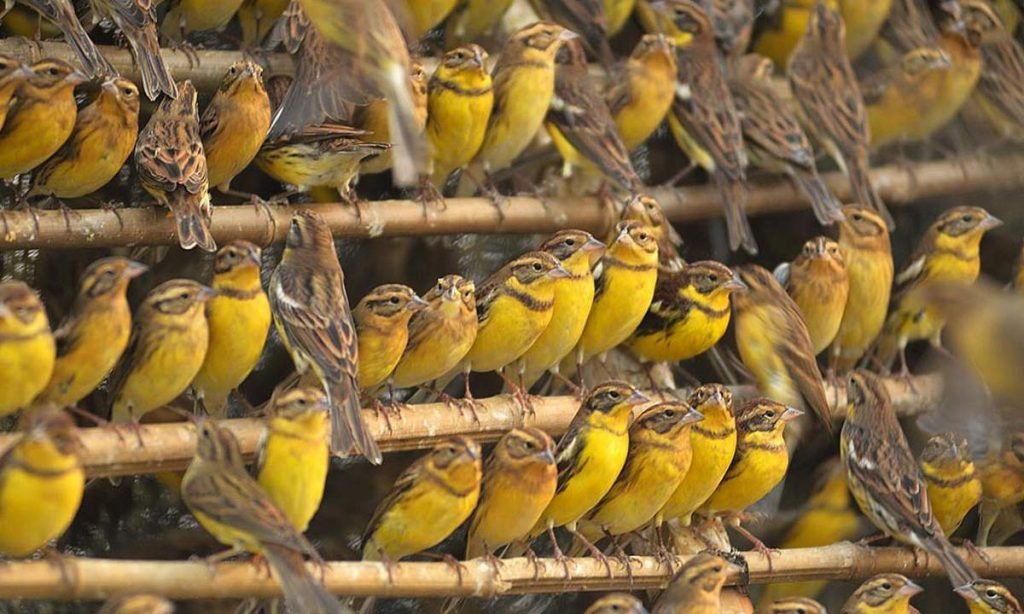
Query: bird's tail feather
[348, 431]
[959, 572]
[410, 151]
[192, 224]
[734, 202]
[155, 76]
[827, 207]
[91, 58]
[302, 592]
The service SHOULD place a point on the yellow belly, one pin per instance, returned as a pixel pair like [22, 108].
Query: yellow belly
[294, 472]
[35, 510]
[101, 342]
[757, 474]
[25, 366]
[778, 42]
[870, 280]
[33, 135]
[950, 505]
[456, 126]
[378, 355]
[711, 459]
[572, 306]
[863, 20]
[436, 355]
[508, 332]
[822, 306]
[166, 373]
[617, 311]
[237, 332]
[420, 520]
[527, 96]
[508, 514]
[100, 155]
[683, 340]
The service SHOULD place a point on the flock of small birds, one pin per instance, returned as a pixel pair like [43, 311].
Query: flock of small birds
[644, 467]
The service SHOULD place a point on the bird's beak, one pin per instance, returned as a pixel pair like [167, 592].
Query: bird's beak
[206, 294]
[451, 293]
[717, 398]
[567, 35]
[637, 398]
[559, 272]
[548, 456]
[991, 222]
[736, 284]
[416, 303]
[77, 78]
[790, 414]
[134, 269]
[109, 86]
[692, 416]
[24, 70]
[966, 591]
[910, 589]
[479, 58]
[593, 245]
[4, 310]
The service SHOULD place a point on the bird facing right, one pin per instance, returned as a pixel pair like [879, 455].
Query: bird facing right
[889, 593]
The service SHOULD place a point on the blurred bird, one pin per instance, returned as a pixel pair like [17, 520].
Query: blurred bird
[885, 480]
[136, 19]
[641, 89]
[382, 330]
[912, 24]
[688, 315]
[1017, 283]
[62, 13]
[235, 123]
[819, 284]
[825, 86]
[137, 604]
[292, 458]
[103, 139]
[585, 17]
[696, 587]
[41, 484]
[41, 120]
[617, 14]
[617, 603]
[900, 98]
[232, 506]
[775, 345]
[27, 347]
[864, 244]
[1002, 483]
[953, 487]
[93, 337]
[171, 166]
[257, 17]
[888, 593]
[989, 597]
[431, 498]
[784, 28]
[472, 20]
[239, 320]
[863, 19]
[773, 136]
[188, 16]
[166, 349]
[13, 73]
[795, 605]
[733, 22]
[1000, 88]
[312, 315]
[421, 17]
[373, 120]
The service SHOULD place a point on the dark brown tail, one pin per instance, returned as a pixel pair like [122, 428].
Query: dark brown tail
[302, 592]
[192, 224]
[348, 431]
[959, 572]
[864, 192]
[63, 14]
[734, 202]
[155, 76]
[827, 207]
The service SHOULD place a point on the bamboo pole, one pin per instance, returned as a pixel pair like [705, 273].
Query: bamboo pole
[264, 225]
[98, 579]
[166, 447]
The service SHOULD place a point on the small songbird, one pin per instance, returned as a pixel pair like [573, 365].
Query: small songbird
[644, 209]
[1000, 88]
[373, 120]
[103, 139]
[239, 320]
[617, 603]
[585, 17]
[422, 17]
[642, 88]
[137, 604]
[888, 593]
[953, 487]
[899, 98]
[232, 506]
[235, 123]
[884, 479]
[188, 16]
[41, 120]
[166, 349]
[257, 17]
[292, 459]
[864, 244]
[382, 329]
[775, 345]
[27, 347]
[312, 315]
[41, 484]
[440, 334]
[1002, 483]
[95, 334]
[696, 587]
[473, 20]
[989, 597]
[733, 22]
[786, 26]
[136, 19]
[62, 13]
[172, 167]
[819, 284]
[825, 88]
[431, 498]
[617, 14]
[795, 605]
[519, 482]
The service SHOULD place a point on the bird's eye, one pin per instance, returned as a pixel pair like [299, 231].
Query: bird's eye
[967, 218]
[717, 569]
[857, 217]
[538, 267]
[887, 586]
[991, 593]
[670, 413]
[394, 300]
[643, 236]
[183, 296]
[769, 414]
[54, 72]
[570, 242]
[528, 445]
[712, 278]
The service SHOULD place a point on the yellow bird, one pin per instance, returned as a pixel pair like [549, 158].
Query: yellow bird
[696, 588]
[165, 352]
[382, 330]
[641, 89]
[888, 593]
[292, 460]
[1002, 483]
[93, 337]
[617, 603]
[819, 284]
[864, 18]
[422, 16]
[238, 319]
[27, 347]
[431, 498]
[953, 486]
[472, 20]
[188, 16]
[257, 17]
[13, 73]
[899, 98]
[644, 209]
[989, 597]
[235, 123]
[41, 484]
[794, 605]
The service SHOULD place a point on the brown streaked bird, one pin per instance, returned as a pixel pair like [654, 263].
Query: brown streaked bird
[641, 89]
[382, 329]
[795, 605]
[819, 284]
[887, 593]
[884, 478]
[171, 162]
[696, 588]
[1000, 87]
[136, 19]
[733, 21]
[617, 603]
[825, 88]
[62, 13]
[235, 123]
[585, 17]
[989, 597]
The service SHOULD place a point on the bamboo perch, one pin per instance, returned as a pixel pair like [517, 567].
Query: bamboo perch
[167, 447]
[98, 579]
[264, 225]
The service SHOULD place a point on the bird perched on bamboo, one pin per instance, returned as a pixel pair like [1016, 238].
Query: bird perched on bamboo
[1002, 483]
[382, 329]
[519, 482]
[41, 484]
[953, 487]
[585, 17]
[658, 459]
[889, 593]
[427, 502]
[62, 13]
[696, 588]
[292, 459]
[257, 17]
[590, 456]
[235, 123]
[578, 252]
[703, 119]
[617, 603]
[188, 16]
[312, 315]
[166, 349]
[689, 313]
[171, 166]
[93, 337]
[103, 138]
[624, 289]
[641, 89]
[137, 604]
[232, 506]
[867, 253]
[1000, 88]
[41, 120]
[825, 88]
[819, 284]
[989, 597]
[775, 345]
[900, 97]
[373, 120]
[136, 19]
[27, 347]
[239, 320]
[794, 605]
[786, 26]
[884, 479]
[13, 73]
[948, 252]
[774, 138]
[440, 334]
[473, 20]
